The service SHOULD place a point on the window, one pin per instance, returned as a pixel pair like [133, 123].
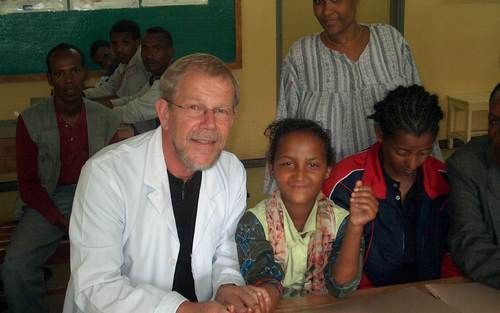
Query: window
[153, 3]
[15, 6]
[19, 6]
[102, 4]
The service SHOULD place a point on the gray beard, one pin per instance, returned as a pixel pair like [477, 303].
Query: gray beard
[191, 165]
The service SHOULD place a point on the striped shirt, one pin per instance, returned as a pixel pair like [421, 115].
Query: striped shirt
[324, 85]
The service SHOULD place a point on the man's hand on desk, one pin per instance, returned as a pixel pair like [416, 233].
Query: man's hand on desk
[244, 299]
[235, 299]
[203, 307]
[274, 296]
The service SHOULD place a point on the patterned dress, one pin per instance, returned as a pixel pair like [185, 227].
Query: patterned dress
[324, 85]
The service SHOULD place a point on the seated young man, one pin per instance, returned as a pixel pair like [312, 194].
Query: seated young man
[474, 172]
[54, 139]
[406, 240]
[130, 75]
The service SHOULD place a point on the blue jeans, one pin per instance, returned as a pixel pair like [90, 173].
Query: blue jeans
[32, 243]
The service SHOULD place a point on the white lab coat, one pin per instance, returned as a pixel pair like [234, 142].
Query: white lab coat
[124, 242]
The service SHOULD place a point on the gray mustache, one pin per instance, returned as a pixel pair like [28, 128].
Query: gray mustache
[206, 136]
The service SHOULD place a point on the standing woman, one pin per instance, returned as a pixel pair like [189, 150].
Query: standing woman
[335, 77]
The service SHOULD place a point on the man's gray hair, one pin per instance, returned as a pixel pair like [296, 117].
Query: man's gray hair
[201, 62]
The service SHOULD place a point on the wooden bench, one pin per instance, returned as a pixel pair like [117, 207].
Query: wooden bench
[61, 256]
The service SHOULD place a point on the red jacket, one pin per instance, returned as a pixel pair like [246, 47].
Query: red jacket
[384, 248]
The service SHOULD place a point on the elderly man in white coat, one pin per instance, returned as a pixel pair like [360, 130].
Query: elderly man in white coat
[154, 217]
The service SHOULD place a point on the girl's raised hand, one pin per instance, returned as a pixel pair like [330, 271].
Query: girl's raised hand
[364, 205]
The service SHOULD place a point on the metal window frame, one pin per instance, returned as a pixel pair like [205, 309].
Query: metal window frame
[397, 15]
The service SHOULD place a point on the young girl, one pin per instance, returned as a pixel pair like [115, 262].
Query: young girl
[406, 241]
[284, 242]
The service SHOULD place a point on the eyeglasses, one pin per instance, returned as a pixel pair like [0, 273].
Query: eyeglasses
[222, 114]
[318, 2]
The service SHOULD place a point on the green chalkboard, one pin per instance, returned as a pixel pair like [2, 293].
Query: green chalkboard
[25, 38]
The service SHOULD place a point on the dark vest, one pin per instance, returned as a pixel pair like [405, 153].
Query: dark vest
[41, 123]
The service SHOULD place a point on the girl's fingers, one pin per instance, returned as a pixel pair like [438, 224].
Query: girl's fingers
[367, 209]
[368, 201]
[363, 193]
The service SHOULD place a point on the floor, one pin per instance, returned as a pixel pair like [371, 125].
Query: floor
[255, 177]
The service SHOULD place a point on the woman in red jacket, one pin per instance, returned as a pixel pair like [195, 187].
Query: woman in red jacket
[406, 240]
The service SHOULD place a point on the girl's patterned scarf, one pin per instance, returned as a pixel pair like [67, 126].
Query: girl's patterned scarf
[319, 244]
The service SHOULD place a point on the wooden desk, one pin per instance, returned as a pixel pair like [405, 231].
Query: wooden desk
[320, 304]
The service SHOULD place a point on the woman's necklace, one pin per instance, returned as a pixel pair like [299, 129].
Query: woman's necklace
[336, 45]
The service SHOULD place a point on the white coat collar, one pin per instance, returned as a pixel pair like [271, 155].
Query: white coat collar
[156, 177]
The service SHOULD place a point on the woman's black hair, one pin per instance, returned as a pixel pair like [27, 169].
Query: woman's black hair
[410, 109]
[280, 128]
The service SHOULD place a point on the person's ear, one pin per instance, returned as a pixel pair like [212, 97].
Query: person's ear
[162, 112]
[49, 79]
